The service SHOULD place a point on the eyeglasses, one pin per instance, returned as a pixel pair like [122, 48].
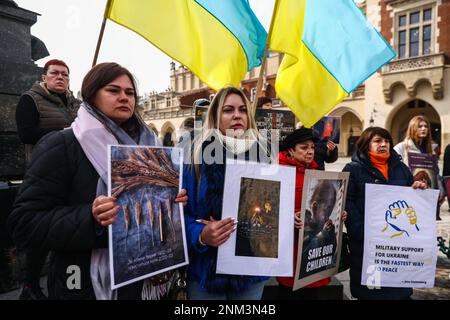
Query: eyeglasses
[55, 73]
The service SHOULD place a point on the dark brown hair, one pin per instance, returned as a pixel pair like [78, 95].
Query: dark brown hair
[100, 76]
[363, 143]
[263, 100]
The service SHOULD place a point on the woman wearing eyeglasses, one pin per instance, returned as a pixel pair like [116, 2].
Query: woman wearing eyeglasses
[47, 106]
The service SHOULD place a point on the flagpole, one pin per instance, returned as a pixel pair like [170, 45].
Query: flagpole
[264, 61]
[100, 36]
[260, 77]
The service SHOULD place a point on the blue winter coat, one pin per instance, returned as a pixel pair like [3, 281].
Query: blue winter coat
[362, 172]
[205, 200]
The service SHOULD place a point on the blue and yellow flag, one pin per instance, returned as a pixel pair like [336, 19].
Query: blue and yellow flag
[219, 41]
[330, 49]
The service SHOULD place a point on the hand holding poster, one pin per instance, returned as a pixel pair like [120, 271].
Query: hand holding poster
[319, 248]
[399, 237]
[148, 236]
[262, 244]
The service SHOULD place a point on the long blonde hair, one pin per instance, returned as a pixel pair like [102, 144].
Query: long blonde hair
[216, 107]
[413, 128]
[212, 122]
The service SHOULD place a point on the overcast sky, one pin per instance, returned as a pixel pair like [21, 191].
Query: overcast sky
[70, 29]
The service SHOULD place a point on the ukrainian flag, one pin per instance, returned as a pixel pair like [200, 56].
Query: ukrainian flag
[217, 40]
[330, 49]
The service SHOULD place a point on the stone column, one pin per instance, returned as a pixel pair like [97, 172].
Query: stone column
[17, 74]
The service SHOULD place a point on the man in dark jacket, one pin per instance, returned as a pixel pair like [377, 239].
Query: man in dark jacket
[48, 106]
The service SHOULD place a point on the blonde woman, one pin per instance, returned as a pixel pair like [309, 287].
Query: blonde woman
[418, 140]
[229, 132]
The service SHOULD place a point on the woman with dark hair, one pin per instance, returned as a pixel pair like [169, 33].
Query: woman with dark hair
[63, 204]
[264, 103]
[229, 132]
[374, 161]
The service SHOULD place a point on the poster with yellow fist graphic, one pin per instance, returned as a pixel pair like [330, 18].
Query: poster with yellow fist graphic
[399, 237]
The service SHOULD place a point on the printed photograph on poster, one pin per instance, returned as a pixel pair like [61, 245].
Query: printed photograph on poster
[424, 167]
[262, 243]
[323, 201]
[328, 128]
[270, 119]
[399, 237]
[148, 236]
[200, 116]
[258, 215]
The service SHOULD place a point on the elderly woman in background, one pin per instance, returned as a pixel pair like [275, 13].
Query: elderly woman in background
[374, 161]
[63, 204]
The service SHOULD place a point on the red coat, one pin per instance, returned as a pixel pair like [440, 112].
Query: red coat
[299, 179]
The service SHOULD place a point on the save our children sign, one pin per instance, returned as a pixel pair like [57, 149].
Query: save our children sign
[399, 237]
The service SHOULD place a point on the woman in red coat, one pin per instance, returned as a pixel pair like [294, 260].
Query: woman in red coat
[298, 151]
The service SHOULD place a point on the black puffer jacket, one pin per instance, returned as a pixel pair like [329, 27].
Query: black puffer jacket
[53, 212]
[362, 172]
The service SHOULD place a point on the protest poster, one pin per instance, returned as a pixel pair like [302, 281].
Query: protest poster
[148, 236]
[320, 239]
[270, 119]
[424, 168]
[262, 243]
[399, 237]
[327, 128]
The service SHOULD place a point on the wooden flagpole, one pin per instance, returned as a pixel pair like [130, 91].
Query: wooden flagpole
[264, 61]
[100, 36]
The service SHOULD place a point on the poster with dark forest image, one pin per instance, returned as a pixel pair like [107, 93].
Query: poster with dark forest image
[148, 236]
[424, 168]
[258, 216]
[259, 197]
[319, 242]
